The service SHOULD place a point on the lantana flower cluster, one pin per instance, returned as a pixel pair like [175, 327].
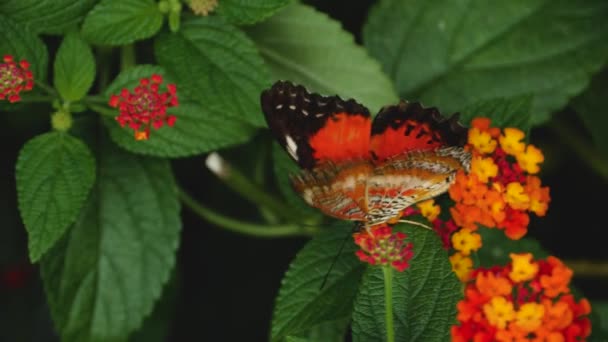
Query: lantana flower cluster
[14, 78]
[526, 300]
[381, 246]
[501, 188]
[145, 107]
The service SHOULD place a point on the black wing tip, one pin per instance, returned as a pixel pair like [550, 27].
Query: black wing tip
[454, 132]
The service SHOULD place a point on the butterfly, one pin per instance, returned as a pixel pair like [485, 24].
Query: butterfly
[353, 167]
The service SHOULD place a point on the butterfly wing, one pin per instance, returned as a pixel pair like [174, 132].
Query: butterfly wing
[329, 138]
[417, 153]
[315, 129]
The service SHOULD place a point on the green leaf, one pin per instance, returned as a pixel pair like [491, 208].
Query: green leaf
[47, 16]
[330, 331]
[74, 69]
[244, 12]
[599, 320]
[218, 66]
[301, 304]
[504, 112]
[497, 247]
[18, 41]
[104, 277]
[451, 53]
[424, 296]
[307, 47]
[55, 172]
[119, 22]
[283, 168]
[198, 129]
[591, 107]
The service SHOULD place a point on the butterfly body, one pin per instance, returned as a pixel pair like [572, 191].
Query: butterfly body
[359, 169]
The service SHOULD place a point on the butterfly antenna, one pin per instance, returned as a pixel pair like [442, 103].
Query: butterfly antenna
[417, 224]
[334, 261]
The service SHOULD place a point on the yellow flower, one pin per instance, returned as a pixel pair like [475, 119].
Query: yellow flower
[499, 312]
[529, 159]
[429, 209]
[462, 266]
[511, 142]
[522, 267]
[465, 241]
[481, 140]
[516, 196]
[484, 168]
[203, 7]
[530, 316]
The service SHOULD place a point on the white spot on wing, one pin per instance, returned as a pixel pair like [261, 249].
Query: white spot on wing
[292, 147]
[279, 106]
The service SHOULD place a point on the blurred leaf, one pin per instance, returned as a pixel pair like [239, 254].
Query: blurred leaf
[330, 331]
[47, 16]
[198, 129]
[591, 107]
[283, 168]
[451, 53]
[424, 296]
[18, 41]
[504, 112]
[119, 22]
[55, 172]
[302, 304]
[305, 46]
[74, 70]
[497, 247]
[217, 65]
[599, 320]
[243, 12]
[104, 277]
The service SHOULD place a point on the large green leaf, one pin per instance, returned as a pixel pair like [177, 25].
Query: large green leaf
[103, 277]
[424, 296]
[198, 128]
[497, 247]
[117, 22]
[218, 66]
[242, 12]
[55, 172]
[591, 107]
[306, 46]
[74, 68]
[47, 16]
[20, 42]
[302, 304]
[450, 53]
[504, 112]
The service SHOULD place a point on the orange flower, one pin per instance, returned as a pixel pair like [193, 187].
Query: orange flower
[499, 312]
[539, 196]
[484, 168]
[516, 196]
[529, 316]
[429, 209]
[492, 286]
[557, 315]
[515, 224]
[557, 282]
[461, 265]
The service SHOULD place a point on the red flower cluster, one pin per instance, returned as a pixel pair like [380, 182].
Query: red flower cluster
[380, 246]
[525, 301]
[14, 78]
[145, 107]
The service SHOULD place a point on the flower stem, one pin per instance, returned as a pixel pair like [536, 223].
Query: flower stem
[46, 88]
[246, 228]
[388, 302]
[127, 57]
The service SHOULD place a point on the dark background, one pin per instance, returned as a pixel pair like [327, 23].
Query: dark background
[224, 286]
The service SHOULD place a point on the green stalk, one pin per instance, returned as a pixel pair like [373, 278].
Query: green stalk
[388, 302]
[246, 228]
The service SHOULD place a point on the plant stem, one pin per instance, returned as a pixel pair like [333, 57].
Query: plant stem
[587, 268]
[388, 302]
[46, 88]
[37, 98]
[127, 57]
[246, 228]
[244, 187]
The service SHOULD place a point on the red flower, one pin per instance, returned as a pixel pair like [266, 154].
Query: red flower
[14, 78]
[380, 246]
[145, 107]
